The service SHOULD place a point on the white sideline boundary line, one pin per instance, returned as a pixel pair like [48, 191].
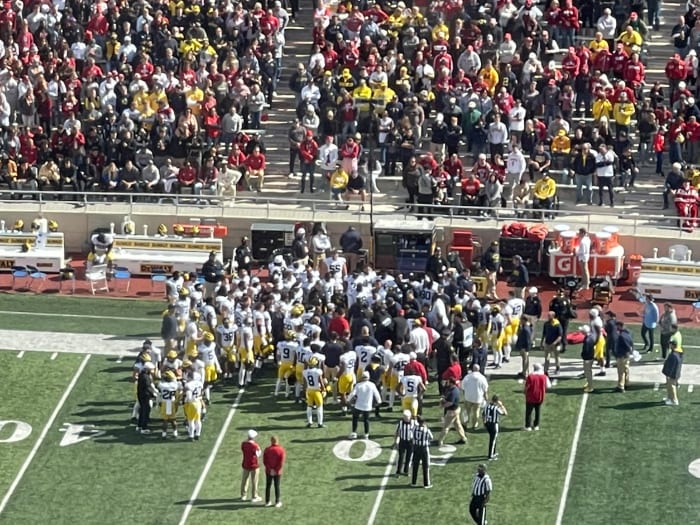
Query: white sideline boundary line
[20, 355]
[51, 314]
[211, 458]
[382, 488]
[572, 460]
[44, 432]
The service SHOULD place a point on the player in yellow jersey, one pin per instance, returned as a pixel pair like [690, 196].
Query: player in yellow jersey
[246, 355]
[193, 406]
[315, 386]
[286, 353]
[169, 396]
[226, 335]
[410, 387]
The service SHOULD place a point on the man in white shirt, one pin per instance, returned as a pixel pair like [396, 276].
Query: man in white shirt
[475, 388]
[583, 254]
[605, 162]
[516, 164]
[497, 135]
[607, 24]
[328, 158]
[365, 395]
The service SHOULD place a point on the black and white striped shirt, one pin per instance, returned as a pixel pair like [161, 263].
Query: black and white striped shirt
[422, 436]
[404, 430]
[492, 413]
[481, 486]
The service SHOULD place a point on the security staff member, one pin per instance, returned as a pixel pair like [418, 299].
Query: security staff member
[520, 277]
[563, 311]
[481, 492]
[244, 256]
[403, 442]
[213, 273]
[492, 416]
[523, 343]
[491, 263]
[422, 437]
[450, 404]
[376, 371]
[145, 391]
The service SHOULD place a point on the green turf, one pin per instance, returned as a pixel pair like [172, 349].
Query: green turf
[633, 460]
[114, 477]
[33, 386]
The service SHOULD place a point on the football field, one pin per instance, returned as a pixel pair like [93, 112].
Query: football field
[69, 454]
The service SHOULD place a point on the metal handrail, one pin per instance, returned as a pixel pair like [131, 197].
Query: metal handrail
[217, 205]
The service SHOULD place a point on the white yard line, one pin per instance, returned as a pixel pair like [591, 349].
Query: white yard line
[212, 457]
[20, 355]
[572, 460]
[54, 356]
[44, 432]
[79, 316]
[382, 488]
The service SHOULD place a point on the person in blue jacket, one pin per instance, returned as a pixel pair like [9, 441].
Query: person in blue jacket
[624, 346]
[650, 318]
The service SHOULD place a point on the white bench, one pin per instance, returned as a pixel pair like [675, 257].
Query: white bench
[49, 259]
[669, 286]
[144, 255]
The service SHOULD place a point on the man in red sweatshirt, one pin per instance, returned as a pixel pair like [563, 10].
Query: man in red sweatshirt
[308, 152]
[536, 386]
[273, 459]
[251, 467]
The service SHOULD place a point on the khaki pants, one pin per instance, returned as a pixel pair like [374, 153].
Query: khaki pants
[252, 475]
[588, 373]
[672, 389]
[623, 372]
[452, 419]
[473, 413]
[491, 278]
[585, 276]
[550, 351]
[525, 357]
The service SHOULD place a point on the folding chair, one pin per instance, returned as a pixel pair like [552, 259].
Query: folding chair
[122, 274]
[97, 278]
[19, 272]
[36, 275]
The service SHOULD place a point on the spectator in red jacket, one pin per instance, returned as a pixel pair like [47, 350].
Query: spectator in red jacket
[273, 459]
[676, 70]
[251, 466]
[308, 152]
[186, 177]
[634, 73]
[255, 168]
[568, 23]
[536, 386]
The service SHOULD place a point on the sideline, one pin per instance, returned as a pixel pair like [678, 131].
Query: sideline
[572, 460]
[44, 432]
[79, 316]
[212, 457]
[382, 487]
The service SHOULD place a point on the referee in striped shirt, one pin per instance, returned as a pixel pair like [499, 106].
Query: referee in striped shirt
[403, 442]
[481, 492]
[492, 416]
[422, 436]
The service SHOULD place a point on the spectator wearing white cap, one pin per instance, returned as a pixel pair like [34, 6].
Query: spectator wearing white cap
[365, 395]
[587, 354]
[251, 467]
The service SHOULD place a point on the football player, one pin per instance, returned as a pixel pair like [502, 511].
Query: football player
[173, 364]
[246, 356]
[193, 406]
[301, 357]
[512, 312]
[226, 336]
[212, 368]
[398, 363]
[346, 377]
[315, 386]
[411, 387]
[365, 347]
[496, 335]
[169, 390]
[262, 333]
[286, 353]
[192, 337]
[155, 353]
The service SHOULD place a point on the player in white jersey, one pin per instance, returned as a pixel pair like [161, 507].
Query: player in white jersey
[286, 355]
[301, 358]
[364, 356]
[346, 377]
[496, 336]
[226, 339]
[208, 314]
[411, 387]
[193, 406]
[246, 356]
[398, 363]
[426, 291]
[337, 264]
[262, 332]
[169, 390]
[385, 354]
[315, 387]
[212, 368]
[172, 363]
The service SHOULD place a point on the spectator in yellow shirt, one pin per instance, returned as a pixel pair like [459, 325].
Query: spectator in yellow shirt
[602, 107]
[598, 44]
[544, 192]
[560, 149]
[490, 76]
[630, 38]
[338, 183]
[623, 111]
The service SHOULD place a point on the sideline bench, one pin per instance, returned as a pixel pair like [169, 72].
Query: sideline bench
[49, 259]
[143, 255]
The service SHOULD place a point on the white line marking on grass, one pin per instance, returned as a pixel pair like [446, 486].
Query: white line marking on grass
[690, 389]
[382, 487]
[212, 457]
[20, 355]
[656, 386]
[120, 359]
[44, 432]
[572, 459]
[54, 356]
[79, 316]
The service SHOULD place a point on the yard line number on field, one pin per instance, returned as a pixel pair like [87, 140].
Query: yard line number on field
[44, 432]
[572, 460]
[212, 457]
